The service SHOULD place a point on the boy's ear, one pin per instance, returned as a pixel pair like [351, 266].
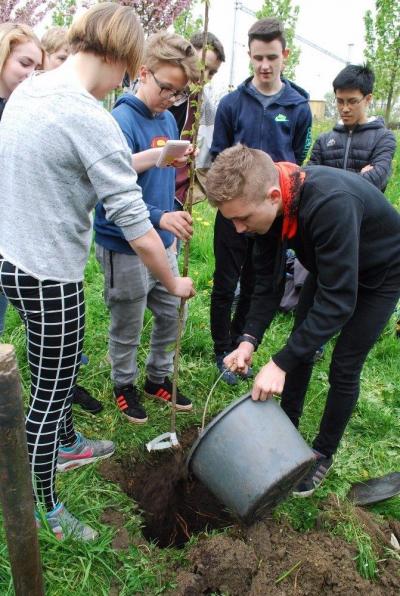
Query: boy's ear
[286, 53]
[274, 194]
[368, 99]
[143, 72]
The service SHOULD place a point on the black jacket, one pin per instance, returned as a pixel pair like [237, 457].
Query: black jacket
[369, 143]
[348, 238]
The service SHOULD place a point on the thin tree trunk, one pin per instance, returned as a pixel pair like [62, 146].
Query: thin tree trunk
[189, 207]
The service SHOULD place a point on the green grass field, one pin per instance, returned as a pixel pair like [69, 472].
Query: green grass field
[371, 445]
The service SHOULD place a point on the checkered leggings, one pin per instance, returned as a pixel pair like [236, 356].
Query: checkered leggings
[54, 317]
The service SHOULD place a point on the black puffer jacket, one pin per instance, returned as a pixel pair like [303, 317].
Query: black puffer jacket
[367, 144]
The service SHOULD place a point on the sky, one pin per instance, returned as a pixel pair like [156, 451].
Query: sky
[332, 25]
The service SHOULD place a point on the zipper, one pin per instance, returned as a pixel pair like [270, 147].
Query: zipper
[346, 153]
[111, 270]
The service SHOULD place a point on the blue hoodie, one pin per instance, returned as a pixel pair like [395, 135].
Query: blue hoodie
[143, 130]
[283, 129]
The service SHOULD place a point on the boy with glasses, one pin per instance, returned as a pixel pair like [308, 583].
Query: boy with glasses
[356, 143]
[170, 63]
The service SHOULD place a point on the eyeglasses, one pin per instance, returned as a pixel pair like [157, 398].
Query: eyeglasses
[167, 93]
[353, 101]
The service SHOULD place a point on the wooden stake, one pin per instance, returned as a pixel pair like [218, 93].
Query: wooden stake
[16, 493]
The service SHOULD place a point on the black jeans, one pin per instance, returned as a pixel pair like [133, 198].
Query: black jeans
[233, 262]
[357, 337]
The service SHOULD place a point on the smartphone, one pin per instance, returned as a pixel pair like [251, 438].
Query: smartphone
[172, 150]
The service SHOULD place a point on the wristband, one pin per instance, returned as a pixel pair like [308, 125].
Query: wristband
[249, 338]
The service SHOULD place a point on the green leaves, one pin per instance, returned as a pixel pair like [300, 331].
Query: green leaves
[382, 37]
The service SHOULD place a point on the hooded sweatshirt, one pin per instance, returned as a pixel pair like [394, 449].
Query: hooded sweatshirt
[352, 149]
[143, 130]
[283, 129]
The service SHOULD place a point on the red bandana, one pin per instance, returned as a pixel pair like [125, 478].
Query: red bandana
[289, 190]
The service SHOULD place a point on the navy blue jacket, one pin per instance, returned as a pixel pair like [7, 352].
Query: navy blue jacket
[366, 144]
[143, 131]
[283, 129]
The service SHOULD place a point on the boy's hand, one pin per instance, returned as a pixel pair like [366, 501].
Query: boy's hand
[240, 359]
[269, 381]
[183, 288]
[177, 222]
[366, 169]
[182, 161]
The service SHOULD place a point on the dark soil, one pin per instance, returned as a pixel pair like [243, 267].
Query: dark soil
[274, 560]
[266, 559]
[173, 506]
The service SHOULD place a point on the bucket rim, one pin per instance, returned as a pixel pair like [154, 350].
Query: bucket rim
[215, 421]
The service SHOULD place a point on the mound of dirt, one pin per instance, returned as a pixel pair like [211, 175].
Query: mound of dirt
[275, 560]
[266, 559]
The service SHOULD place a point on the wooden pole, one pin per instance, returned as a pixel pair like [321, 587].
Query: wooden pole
[16, 493]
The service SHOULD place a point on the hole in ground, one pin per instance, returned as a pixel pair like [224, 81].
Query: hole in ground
[173, 506]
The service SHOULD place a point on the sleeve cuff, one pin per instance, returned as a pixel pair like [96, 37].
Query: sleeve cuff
[137, 230]
[155, 216]
[285, 360]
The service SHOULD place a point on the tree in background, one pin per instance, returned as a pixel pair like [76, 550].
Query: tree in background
[30, 12]
[186, 24]
[63, 13]
[330, 105]
[154, 14]
[382, 37]
[288, 14]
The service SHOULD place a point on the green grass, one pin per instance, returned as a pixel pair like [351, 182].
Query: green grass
[370, 446]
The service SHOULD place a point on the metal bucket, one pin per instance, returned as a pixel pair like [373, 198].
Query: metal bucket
[250, 456]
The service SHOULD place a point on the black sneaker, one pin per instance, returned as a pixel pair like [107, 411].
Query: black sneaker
[315, 476]
[163, 392]
[82, 398]
[127, 400]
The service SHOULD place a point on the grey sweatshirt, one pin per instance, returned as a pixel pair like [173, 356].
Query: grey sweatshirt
[60, 153]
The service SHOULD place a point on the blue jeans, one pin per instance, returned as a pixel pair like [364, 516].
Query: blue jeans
[3, 308]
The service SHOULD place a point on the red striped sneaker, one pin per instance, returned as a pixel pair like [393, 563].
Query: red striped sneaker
[127, 400]
[163, 392]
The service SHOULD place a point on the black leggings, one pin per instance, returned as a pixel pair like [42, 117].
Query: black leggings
[357, 337]
[54, 317]
[233, 261]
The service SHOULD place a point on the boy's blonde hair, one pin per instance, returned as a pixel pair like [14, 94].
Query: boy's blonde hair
[240, 172]
[165, 48]
[12, 34]
[54, 39]
[111, 31]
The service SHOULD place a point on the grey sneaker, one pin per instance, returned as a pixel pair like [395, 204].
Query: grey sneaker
[65, 525]
[83, 452]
